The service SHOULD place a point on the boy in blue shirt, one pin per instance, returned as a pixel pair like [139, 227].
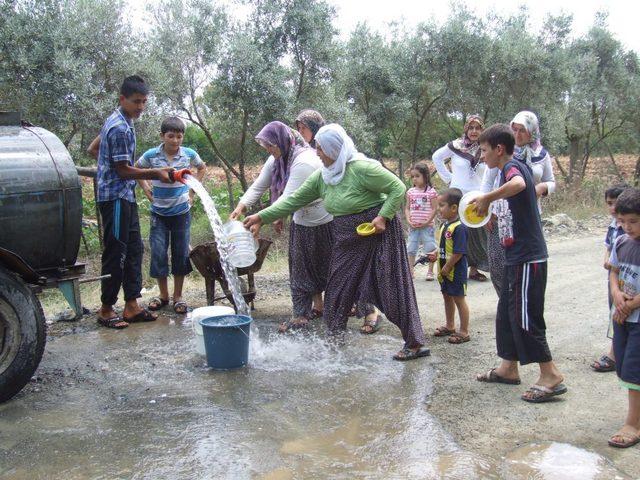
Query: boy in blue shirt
[170, 212]
[452, 267]
[607, 362]
[115, 149]
[624, 280]
[520, 326]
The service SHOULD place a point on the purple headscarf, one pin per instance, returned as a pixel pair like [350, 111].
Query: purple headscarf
[279, 135]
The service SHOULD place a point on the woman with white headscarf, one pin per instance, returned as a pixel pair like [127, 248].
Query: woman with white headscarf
[290, 163]
[373, 269]
[466, 174]
[529, 150]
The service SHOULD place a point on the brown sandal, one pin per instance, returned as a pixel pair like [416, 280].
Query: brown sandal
[113, 322]
[443, 331]
[457, 339]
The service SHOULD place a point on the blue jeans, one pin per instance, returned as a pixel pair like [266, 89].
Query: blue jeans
[421, 237]
[174, 230]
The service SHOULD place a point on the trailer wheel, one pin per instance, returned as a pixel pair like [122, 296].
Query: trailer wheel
[22, 334]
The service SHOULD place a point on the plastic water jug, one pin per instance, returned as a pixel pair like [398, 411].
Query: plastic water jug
[242, 245]
[200, 314]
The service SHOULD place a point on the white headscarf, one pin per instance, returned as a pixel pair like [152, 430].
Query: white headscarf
[336, 144]
[530, 152]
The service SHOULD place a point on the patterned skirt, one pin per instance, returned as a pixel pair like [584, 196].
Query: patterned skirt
[309, 251]
[477, 248]
[373, 270]
[495, 254]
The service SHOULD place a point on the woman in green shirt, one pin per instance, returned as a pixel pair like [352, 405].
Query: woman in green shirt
[372, 269]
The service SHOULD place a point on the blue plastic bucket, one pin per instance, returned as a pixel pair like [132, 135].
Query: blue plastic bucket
[226, 341]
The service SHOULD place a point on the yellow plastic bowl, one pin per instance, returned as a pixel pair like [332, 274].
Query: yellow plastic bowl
[471, 214]
[365, 229]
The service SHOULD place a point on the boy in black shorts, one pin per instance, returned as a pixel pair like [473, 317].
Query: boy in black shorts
[624, 280]
[452, 267]
[520, 326]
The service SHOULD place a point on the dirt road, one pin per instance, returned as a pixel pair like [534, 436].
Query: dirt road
[490, 419]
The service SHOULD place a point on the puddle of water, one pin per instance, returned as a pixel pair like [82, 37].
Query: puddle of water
[558, 461]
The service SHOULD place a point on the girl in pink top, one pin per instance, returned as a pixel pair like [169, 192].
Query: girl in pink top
[420, 211]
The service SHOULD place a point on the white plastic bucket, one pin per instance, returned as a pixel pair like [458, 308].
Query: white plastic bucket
[242, 245]
[206, 312]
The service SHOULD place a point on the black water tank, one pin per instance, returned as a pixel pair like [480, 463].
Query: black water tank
[40, 196]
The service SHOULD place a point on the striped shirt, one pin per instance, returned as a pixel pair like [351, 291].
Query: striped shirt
[117, 144]
[420, 208]
[170, 199]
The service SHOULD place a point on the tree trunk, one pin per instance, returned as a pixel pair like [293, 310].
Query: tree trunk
[301, 80]
[574, 157]
[243, 140]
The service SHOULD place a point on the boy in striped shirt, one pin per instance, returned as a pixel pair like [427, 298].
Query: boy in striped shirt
[170, 212]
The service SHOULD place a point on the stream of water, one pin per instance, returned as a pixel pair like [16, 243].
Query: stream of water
[223, 247]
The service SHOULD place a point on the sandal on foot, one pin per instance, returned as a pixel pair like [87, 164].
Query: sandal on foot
[371, 326]
[408, 354]
[430, 277]
[156, 303]
[492, 377]
[292, 325]
[353, 312]
[625, 439]
[316, 314]
[443, 332]
[604, 364]
[478, 277]
[143, 315]
[180, 307]
[457, 339]
[113, 322]
[540, 393]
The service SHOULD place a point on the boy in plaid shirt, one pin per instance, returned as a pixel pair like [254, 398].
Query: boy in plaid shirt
[122, 255]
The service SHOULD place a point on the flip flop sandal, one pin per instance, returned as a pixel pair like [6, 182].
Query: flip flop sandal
[492, 377]
[457, 339]
[407, 354]
[142, 316]
[478, 277]
[628, 439]
[374, 326]
[113, 322]
[180, 307]
[156, 303]
[540, 393]
[316, 314]
[604, 364]
[443, 332]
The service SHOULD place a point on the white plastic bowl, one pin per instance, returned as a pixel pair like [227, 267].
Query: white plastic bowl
[462, 210]
[205, 312]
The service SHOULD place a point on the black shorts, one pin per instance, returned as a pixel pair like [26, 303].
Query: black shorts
[626, 347]
[520, 326]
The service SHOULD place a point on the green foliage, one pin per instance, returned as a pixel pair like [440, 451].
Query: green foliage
[400, 93]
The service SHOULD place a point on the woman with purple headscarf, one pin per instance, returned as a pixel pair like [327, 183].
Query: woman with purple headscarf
[290, 163]
[466, 174]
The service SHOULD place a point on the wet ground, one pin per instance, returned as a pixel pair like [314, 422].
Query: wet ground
[140, 403]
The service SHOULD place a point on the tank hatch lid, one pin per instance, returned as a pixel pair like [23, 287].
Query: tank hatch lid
[9, 119]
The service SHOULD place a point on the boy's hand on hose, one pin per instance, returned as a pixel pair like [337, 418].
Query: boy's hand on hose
[380, 224]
